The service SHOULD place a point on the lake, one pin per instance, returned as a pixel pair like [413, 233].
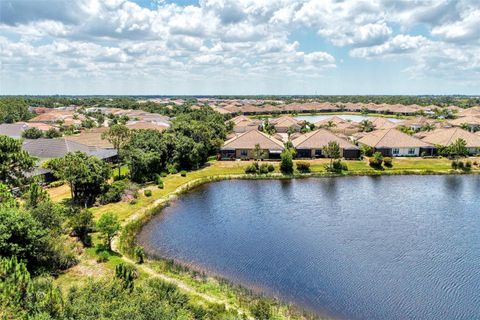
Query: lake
[392, 247]
[351, 117]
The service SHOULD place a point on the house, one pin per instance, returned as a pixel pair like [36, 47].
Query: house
[310, 145]
[338, 125]
[447, 136]
[471, 122]
[381, 123]
[391, 142]
[474, 111]
[243, 146]
[243, 124]
[91, 138]
[56, 148]
[286, 123]
[418, 123]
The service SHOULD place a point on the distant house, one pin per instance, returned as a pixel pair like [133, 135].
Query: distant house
[391, 142]
[286, 123]
[56, 148]
[472, 122]
[244, 124]
[91, 138]
[243, 146]
[310, 145]
[338, 125]
[445, 137]
[381, 123]
[418, 123]
[474, 111]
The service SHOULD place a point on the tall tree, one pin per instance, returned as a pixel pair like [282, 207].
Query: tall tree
[85, 174]
[117, 135]
[458, 148]
[366, 126]
[14, 162]
[108, 225]
[332, 151]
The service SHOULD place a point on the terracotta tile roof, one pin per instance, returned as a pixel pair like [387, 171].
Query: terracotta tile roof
[91, 139]
[474, 111]
[446, 137]
[470, 120]
[318, 139]
[391, 138]
[335, 119]
[147, 125]
[381, 123]
[285, 121]
[418, 121]
[249, 139]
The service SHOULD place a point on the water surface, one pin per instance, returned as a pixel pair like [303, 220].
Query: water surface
[405, 247]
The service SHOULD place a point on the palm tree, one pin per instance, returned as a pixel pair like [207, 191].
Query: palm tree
[428, 127]
[366, 126]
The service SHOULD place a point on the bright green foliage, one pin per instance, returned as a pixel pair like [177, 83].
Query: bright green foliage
[23, 236]
[6, 197]
[82, 224]
[377, 160]
[86, 175]
[53, 133]
[14, 162]
[139, 253]
[108, 225]
[35, 195]
[13, 110]
[366, 126]
[366, 151]
[22, 297]
[332, 151]
[458, 148]
[117, 135]
[286, 163]
[145, 154]
[126, 274]
[32, 133]
[261, 310]
[303, 167]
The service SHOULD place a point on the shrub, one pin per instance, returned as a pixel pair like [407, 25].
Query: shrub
[366, 151]
[253, 168]
[263, 169]
[114, 192]
[160, 185]
[388, 162]
[303, 167]
[454, 164]
[286, 164]
[139, 254]
[183, 173]
[337, 165]
[376, 161]
[468, 165]
[55, 184]
[53, 133]
[32, 133]
[133, 201]
[147, 193]
[102, 256]
[172, 169]
[262, 310]
[460, 165]
[271, 168]
[163, 174]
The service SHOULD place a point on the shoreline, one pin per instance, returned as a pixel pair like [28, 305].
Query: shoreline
[133, 227]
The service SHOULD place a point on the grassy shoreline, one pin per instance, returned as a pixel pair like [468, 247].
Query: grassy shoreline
[134, 217]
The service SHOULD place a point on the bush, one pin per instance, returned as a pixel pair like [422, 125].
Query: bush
[114, 192]
[271, 168]
[468, 165]
[147, 193]
[303, 167]
[158, 179]
[55, 184]
[388, 162]
[163, 174]
[460, 165]
[183, 173]
[160, 185]
[32, 133]
[454, 164]
[172, 169]
[133, 201]
[376, 161]
[253, 168]
[53, 133]
[286, 164]
[102, 256]
[263, 169]
[366, 151]
[262, 310]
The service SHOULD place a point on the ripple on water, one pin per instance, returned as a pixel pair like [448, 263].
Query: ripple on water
[405, 247]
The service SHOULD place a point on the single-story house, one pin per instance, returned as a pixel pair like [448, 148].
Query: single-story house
[310, 145]
[447, 136]
[243, 124]
[56, 148]
[472, 122]
[286, 123]
[474, 111]
[243, 146]
[418, 123]
[338, 125]
[394, 143]
[381, 123]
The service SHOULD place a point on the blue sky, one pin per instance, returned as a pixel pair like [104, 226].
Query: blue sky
[240, 47]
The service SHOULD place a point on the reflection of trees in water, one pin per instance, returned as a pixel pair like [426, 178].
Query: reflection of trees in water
[453, 183]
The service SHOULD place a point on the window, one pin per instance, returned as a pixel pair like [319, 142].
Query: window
[243, 152]
[411, 151]
[395, 151]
